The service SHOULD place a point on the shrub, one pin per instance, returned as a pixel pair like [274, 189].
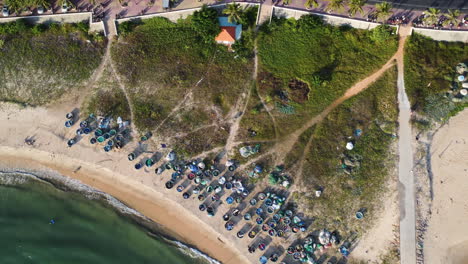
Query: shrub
[14, 27]
[382, 33]
[127, 27]
[205, 22]
[430, 68]
[329, 59]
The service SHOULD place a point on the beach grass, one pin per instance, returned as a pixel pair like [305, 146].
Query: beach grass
[429, 76]
[306, 64]
[298, 150]
[41, 63]
[107, 99]
[256, 119]
[167, 65]
[360, 184]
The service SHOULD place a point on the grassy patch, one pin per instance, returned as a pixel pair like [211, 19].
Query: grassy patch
[430, 74]
[201, 140]
[295, 54]
[107, 99]
[296, 153]
[163, 61]
[360, 183]
[263, 148]
[256, 123]
[40, 63]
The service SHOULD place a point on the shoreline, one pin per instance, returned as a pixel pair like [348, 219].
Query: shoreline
[112, 173]
[14, 177]
[174, 219]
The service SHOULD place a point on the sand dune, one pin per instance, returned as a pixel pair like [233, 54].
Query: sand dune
[446, 240]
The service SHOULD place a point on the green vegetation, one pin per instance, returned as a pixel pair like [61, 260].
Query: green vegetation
[311, 3]
[355, 6]
[256, 121]
[201, 140]
[205, 23]
[352, 179]
[382, 33]
[305, 65]
[383, 10]
[335, 5]
[177, 75]
[17, 6]
[234, 13]
[107, 99]
[40, 63]
[297, 152]
[431, 78]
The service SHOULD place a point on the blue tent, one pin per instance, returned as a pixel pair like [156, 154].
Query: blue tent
[193, 168]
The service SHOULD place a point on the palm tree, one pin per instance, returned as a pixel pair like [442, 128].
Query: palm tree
[432, 16]
[234, 12]
[311, 3]
[335, 5]
[383, 10]
[452, 17]
[355, 6]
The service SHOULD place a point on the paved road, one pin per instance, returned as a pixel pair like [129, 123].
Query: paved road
[405, 170]
[266, 10]
[424, 4]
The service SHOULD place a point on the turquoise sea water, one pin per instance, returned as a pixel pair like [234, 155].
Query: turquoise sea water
[85, 231]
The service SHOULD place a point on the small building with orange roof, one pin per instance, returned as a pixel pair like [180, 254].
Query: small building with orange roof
[230, 32]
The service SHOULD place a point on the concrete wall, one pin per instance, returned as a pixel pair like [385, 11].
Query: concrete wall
[332, 20]
[97, 27]
[443, 35]
[61, 18]
[180, 14]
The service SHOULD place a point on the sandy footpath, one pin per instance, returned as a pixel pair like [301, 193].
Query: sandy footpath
[446, 240]
[112, 173]
[378, 240]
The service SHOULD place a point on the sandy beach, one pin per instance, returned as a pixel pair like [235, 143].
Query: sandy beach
[446, 240]
[111, 173]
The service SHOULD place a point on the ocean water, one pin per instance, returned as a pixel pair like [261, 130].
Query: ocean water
[85, 230]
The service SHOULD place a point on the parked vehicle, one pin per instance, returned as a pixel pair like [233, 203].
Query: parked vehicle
[5, 11]
[40, 10]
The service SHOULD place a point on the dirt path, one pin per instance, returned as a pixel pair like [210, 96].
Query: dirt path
[281, 149]
[266, 10]
[178, 107]
[284, 147]
[95, 76]
[305, 153]
[235, 121]
[187, 96]
[122, 87]
[275, 126]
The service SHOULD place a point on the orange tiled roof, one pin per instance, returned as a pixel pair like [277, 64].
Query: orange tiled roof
[228, 34]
